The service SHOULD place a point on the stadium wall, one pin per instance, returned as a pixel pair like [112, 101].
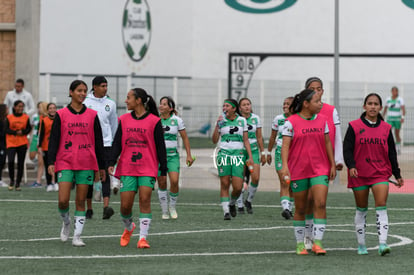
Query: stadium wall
[193, 38]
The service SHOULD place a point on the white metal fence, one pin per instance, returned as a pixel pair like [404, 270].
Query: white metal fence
[199, 100]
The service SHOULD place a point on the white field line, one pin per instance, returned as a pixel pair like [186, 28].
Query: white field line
[204, 231]
[402, 241]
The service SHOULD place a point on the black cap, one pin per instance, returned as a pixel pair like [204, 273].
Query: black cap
[98, 80]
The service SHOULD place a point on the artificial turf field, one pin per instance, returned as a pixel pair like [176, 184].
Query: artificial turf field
[199, 241]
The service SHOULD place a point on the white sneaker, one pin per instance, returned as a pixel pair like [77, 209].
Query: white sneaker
[165, 216]
[56, 187]
[3, 184]
[50, 188]
[64, 233]
[308, 243]
[173, 213]
[76, 241]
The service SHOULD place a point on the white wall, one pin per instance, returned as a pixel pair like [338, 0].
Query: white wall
[194, 38]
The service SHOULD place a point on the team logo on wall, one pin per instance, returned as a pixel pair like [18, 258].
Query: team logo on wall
[136, 29]
[260, 6]
[409, 3]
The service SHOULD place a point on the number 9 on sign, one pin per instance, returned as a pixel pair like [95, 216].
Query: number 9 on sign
[239, 80]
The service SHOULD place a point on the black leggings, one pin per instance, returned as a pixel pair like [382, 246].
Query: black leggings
[21, 155]
[106, 188]
[2, 160]
[48, 176]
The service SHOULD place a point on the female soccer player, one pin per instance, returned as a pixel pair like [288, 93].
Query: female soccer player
[44, 137]
[34, 153]
[75, 150]
[307, 159]
[371, 158]
[172, 125]
[139, 141]
[396, 114]
[231, 131]
[17, 128]
[334, 125]
[286, 197]
[254, 127]
[3, 115]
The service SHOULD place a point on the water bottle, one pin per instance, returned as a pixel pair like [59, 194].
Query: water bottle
[221, 122]
[250, 166]
[287, 179]
[188, 163]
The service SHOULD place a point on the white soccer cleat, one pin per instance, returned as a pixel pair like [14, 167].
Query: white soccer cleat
[64, 233]
[76, 241]
[173, 213]
[165, 216]
[50, 188]
[55, 187]
[308, 243]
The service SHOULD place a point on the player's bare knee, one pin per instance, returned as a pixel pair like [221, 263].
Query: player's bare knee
[63, 204]
[380, 204]
[320, 205]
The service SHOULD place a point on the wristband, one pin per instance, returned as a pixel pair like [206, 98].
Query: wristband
[402, 117]
[264, 153]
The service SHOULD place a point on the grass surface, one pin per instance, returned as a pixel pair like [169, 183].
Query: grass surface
[199, 242]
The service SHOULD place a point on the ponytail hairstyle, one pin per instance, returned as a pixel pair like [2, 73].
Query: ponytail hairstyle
[171, 104]
[234, 103]
[245, 98]
[146, 100]
[298, 99]
[380, 101]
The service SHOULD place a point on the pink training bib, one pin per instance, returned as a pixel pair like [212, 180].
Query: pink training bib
[76, 149]
[139, 153]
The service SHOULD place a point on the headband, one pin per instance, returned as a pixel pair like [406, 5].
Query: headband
[231, 103]
[312, 79]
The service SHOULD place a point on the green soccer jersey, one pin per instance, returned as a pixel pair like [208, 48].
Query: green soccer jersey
[231, 133]
[394, 108]
[253, 123]
[277, 125]
[172, 126]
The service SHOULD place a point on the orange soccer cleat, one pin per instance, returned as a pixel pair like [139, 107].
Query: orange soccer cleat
[126, 236]
[143, 243]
